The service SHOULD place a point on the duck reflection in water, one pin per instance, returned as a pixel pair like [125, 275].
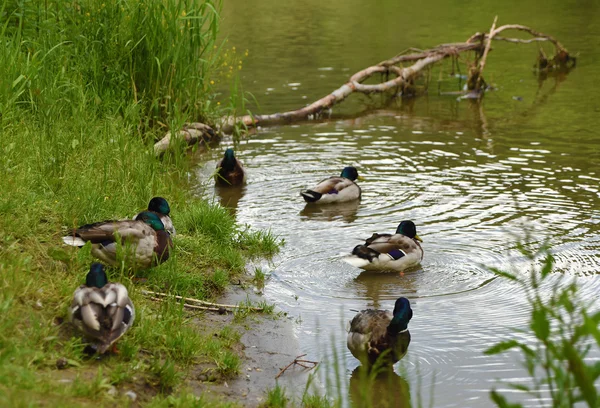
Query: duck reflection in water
[345, 211]
[384, 286]
[378, 388]
[230, 196]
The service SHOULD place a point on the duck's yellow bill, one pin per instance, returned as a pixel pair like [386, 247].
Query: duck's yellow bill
[418, 238]
[361, 178]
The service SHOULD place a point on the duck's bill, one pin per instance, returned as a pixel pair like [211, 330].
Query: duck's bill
[361, 178]
[418, 238]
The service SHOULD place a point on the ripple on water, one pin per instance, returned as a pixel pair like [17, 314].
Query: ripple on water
[469, 203]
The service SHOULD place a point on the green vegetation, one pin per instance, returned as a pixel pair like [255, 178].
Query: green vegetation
[564, 330]
[86, 89]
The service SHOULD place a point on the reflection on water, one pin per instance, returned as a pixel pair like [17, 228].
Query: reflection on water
[372, 285]
[230, 196]
[381, 388]
[473, 176]
[329, 212]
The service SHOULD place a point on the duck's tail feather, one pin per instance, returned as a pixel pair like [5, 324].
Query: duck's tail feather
[361, 256]
[73, 241]
[310, 196]
[364, 252]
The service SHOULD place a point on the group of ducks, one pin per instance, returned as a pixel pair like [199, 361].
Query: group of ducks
[103, 311]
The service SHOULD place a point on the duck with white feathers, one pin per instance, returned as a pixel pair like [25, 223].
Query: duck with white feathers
[102, 310]
[389, 252]
[160, 206]
[335, 189]
[373, 333]
[145, 237]
[230, 171]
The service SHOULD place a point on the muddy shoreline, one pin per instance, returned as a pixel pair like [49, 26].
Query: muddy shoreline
[268, 344]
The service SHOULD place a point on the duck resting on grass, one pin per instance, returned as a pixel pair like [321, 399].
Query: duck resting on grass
[373, 333]
[144, 239]
[334, 189]
[230, 171]
[101, 310]
[160, 206]
[387, 252]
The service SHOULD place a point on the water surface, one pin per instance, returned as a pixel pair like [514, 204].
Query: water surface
[473, 177]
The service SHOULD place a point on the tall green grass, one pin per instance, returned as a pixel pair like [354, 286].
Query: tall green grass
[86, 88]
[153, 61]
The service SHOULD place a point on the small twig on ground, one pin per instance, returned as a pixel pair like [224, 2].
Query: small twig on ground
[212, 309]
[202, 302]
[298, 361]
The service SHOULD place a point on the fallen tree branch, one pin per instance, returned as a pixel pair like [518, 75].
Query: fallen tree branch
[403, 77]
[202, 302]
[299, 362]
[191, 134]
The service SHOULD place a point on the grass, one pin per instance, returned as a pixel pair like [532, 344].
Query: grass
[87, 87]
[563, 330]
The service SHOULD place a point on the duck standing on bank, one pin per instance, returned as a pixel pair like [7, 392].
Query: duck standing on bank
[335, 189]
[102, 310]
[373, 333]
[145, 238]
[160, 206]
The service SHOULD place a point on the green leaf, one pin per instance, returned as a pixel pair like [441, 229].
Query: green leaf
[582, 375]
[540, 324]
[501, 401]
[548, 264]
[520, 387]
[504, 274]
[501, 347]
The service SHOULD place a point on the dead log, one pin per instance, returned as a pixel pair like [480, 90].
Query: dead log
[191, 134]
[403, 78]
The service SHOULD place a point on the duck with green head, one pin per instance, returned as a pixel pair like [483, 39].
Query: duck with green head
[160, 207]
[230, 171]
[335, 189]
[389, 252]
[374, 333]
[145, 238]
[101, 310]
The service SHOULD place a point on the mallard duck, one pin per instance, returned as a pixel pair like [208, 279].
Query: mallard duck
[335, 189]
[230, 171]
[372, 332]
[160, 206]
[387, 252]
[102, 310]
[145, 235]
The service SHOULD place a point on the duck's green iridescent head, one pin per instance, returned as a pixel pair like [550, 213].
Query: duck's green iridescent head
[409, 229]
[151, 219]
[228, 162]
[96, 277]
[159, 205]
[350, 173]
[402, 315]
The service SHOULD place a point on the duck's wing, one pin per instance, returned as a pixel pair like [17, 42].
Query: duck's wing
[333, 185]
[370, 321]
[377, 238]
[366, 330]
[101, 232]
[406, 244]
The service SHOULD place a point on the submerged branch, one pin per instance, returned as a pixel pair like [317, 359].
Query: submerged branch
[402, 82]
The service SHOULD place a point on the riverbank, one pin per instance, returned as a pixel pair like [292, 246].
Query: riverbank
[86, 89]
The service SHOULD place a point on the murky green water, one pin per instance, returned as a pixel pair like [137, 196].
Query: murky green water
[471, 177]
